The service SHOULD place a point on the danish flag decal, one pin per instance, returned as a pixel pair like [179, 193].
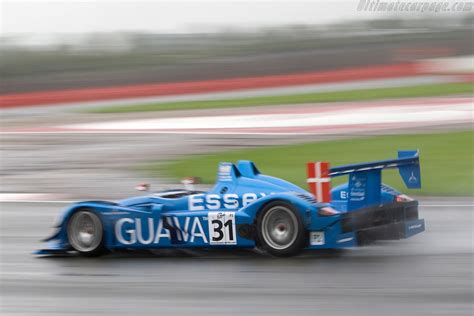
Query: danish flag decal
[319, 181]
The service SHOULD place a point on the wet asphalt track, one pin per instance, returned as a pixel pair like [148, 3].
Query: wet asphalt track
[429, 274]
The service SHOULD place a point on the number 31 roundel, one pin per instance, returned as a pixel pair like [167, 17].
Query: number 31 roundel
[222, 228]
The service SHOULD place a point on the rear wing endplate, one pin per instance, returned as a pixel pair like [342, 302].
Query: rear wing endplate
[364, 178]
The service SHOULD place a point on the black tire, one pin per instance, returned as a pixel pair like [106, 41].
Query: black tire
[83, 225]
[280, 229]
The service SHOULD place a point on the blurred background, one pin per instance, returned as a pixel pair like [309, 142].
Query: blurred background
[99, 96]
[64, 65]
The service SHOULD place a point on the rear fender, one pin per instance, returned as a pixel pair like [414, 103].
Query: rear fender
[250, 213]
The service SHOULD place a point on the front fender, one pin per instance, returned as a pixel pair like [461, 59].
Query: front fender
[108, 212]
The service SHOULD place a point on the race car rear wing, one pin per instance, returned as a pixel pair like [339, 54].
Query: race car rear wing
[365, 181]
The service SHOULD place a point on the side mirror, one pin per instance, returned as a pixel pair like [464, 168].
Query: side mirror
[189, 182]
[142, 187]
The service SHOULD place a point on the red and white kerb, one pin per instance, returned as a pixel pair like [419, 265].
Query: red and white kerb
[319, 181]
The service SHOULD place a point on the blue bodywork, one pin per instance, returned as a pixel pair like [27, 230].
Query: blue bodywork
[180, 218]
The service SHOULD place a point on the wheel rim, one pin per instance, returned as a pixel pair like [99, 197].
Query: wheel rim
[85, 231]
[279, 227]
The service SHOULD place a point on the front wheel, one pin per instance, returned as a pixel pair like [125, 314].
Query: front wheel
[85, 233]
[280, 229]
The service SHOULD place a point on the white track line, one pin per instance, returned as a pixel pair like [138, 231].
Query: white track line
[446, 205]
[302, 121]
[14, 197]
[337, 117]
[39, 201]
[216, 132]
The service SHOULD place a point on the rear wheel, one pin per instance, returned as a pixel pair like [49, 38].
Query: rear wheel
[85, 233]
[280, 229]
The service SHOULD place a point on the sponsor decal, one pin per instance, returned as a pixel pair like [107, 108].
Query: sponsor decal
[357, 187]
[231, 201]
[316, 238]
[225, 172]
[146, 231]
[414, 226]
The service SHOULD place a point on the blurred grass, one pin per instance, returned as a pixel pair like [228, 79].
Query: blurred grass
[336, 96]
[446, 160]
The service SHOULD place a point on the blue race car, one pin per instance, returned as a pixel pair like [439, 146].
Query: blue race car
[246, 209]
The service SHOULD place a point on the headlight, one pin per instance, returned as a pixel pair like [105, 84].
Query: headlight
[327, 211]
